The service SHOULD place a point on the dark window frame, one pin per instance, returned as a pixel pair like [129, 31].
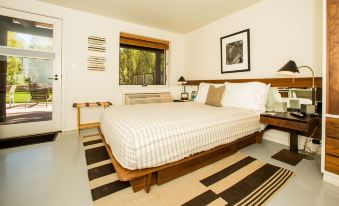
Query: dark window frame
[158, 53]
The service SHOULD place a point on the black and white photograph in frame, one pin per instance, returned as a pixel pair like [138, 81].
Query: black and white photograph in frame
[235, 52]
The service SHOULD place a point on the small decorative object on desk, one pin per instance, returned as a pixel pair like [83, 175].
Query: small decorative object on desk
[184, 96]
[280, 106]
[271, 98]
[294, 103]
[193, 95]
[307, 109]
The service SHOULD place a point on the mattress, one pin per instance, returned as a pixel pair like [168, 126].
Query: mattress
[151, 135]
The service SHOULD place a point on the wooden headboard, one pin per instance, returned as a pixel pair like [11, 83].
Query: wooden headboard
[275, 82]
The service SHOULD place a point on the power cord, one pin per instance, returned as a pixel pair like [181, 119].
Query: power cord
[307, 150]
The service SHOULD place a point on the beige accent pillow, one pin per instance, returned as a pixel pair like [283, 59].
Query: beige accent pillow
[214, 96]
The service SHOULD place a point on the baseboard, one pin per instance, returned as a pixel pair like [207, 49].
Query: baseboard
[331, 178]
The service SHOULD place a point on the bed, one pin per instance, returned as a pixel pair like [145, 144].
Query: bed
[175, 138]
[171, 131]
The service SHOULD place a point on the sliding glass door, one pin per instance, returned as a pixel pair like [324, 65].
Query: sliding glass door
[30, 74]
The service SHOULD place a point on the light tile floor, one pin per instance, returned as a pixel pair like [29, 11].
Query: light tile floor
[55, 174]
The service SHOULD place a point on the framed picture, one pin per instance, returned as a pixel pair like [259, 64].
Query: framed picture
[235, 52]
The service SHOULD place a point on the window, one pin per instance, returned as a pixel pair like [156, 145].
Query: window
[142, 60]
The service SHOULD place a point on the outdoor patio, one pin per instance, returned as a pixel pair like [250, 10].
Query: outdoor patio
[33, 113]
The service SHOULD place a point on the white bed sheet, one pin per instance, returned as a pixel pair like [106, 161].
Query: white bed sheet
[150, 135]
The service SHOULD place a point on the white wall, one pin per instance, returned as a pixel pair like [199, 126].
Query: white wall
[81, 85]
[280, 30]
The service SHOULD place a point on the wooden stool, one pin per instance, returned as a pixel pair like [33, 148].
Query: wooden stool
[78, 106]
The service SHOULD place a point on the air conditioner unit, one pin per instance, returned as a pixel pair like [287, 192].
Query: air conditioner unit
[147, 98]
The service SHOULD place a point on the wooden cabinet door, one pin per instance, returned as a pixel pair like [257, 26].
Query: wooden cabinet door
[332, 124]
[333, 57]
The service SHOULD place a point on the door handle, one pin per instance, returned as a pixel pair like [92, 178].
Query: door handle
[54, 78]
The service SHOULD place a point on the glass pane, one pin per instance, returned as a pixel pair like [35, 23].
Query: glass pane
[24, 34]
[142, 66]
[29, 91]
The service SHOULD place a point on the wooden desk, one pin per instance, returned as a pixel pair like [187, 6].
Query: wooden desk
[179, 100]
[295, 125]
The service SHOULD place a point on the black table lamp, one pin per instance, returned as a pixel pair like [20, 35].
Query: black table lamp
[291, 68]
[182, 81]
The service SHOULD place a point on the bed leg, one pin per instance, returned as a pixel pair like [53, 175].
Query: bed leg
[143, 183]
[258, 138]
[147, 184]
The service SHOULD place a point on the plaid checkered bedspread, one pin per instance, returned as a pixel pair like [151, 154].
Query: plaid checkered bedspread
[150, 135]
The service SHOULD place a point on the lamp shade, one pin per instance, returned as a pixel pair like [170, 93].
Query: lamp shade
[289, 68]
[181, 80]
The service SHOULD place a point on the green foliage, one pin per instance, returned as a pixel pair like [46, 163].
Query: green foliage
[14, 64]
[21, 97]
[37, 69]
[13, 41]
[14, 69]
[134, 62]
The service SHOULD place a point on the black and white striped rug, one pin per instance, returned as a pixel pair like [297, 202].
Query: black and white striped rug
[235, 180]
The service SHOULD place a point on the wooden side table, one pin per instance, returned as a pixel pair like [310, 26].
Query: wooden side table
[78, 106]
[179, 100]
[295, 125]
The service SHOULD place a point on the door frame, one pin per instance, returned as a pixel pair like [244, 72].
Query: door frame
[24, 129]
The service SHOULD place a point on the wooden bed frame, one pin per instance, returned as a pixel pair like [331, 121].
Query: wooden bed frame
[145, 178]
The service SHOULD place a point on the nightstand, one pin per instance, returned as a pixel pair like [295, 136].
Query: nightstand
[294, 125]
[179, 100]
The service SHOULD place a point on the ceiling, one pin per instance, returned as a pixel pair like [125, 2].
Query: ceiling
[179, 16]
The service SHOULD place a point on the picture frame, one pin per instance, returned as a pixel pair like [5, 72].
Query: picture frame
[235, 52]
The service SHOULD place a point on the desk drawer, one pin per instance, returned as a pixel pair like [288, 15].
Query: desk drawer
[332, 164]
[332, 128]
[332, 146]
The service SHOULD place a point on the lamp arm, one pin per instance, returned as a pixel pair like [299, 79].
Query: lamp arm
[313, 85]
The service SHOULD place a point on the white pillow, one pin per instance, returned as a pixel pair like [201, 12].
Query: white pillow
[271, 98]
[203, 90]
[250, 95]
[264, 100]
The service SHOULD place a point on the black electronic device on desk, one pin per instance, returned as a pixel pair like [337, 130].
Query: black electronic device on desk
[297, 114]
